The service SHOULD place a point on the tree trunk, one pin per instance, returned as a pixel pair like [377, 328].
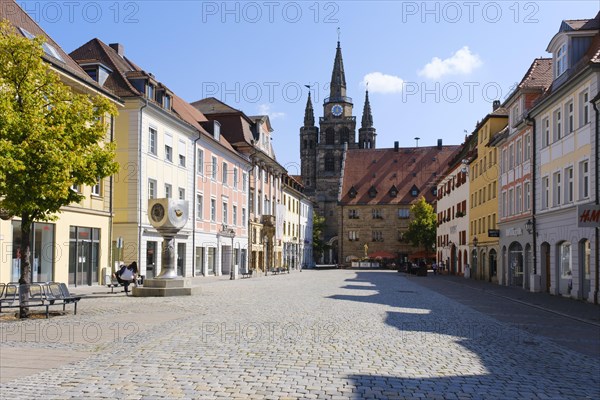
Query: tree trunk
[25, 279]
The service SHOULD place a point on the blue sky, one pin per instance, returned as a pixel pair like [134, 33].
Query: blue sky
[433, 68]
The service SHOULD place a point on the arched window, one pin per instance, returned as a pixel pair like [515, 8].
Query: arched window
[329, 162]
[329, 136]
[344, 135]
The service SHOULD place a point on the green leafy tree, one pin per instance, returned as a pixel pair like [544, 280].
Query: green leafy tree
[319, 245]
[422, 229]
[51, 138]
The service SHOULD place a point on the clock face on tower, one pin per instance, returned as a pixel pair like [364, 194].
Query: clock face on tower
[337, 110]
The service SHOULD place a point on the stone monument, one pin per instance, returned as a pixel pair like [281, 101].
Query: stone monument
[167, 216]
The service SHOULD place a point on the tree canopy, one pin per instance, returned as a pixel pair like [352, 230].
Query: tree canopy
[51, 137]
[422, 229]
[319, 245]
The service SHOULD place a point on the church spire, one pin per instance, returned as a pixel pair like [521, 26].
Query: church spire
[367, 117]
[309, 114]
[337, 88]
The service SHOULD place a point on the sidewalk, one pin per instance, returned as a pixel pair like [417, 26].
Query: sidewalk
[568, 307]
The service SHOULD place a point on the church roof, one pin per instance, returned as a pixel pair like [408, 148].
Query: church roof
[371, 176]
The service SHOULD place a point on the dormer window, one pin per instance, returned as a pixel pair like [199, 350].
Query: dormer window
[372, 192]
[393, 191]
[561, 60]
[414, 191]
[150, 91]
[352, 193]
[167, 102]
[216, 130]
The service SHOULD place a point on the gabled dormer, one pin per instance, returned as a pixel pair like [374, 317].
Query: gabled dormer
[352, 192]
[372, 192]
[393, 191]
[414, 191]
[97, 71]
[571, 43]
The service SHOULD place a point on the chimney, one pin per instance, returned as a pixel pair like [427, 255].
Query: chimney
[439, 144]
[495, 105]
[119, 48]
[396, 145]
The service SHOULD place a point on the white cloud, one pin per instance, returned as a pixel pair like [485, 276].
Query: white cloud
[265, 109]
[462, 62]
[383, 83]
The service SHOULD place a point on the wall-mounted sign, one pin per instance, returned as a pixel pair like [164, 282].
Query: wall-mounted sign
[514, 232]
[588, 216]
[493, 232]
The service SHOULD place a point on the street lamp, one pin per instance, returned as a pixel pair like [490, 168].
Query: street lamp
[529, 226]
[475, 241]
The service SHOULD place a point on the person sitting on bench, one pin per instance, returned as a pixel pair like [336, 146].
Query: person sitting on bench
[126, 275]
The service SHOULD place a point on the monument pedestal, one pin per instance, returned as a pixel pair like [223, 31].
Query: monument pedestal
[166, 288]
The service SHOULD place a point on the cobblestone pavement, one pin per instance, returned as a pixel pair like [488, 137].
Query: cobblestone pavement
[337, 334]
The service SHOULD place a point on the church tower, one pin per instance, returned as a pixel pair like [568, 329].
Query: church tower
[309, 139]
[366, 133]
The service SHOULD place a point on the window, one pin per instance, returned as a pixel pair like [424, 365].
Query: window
[353, 236]
[570, 118]
[584, 108]
[519, 199]
[151, 189]
[504, 205]
[152, 140]
[181, 194]
[403, 213]
[329, 162]
[243, 216]
[234, 215]
[519, 154]
[235, 178]
[527, 153]
[214, 168]
[182, 151]
[200, 166]
[244, 181]
[96, 189]
[545, 192]
[569, 185]
[224, 173]
[199, 206]
[565, 260]
[169, 148]
[504, 160]
[225, 216]
[556, 186]
[376, 213]
[329, 136]
[76, 188]
[353, 214]
[511, 202]
[557, 125]
[527, 196]
[168, 190]
[167, 102]
[546, 134]
[561, 60]
[584, 180]
[213, 210]
[150, 91]
[377, 236]
[511, 157]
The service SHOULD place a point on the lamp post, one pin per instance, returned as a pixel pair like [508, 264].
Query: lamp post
[529, 226]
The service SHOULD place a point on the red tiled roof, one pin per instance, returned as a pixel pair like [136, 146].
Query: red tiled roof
[583, 24]
[383, 169]
[539, 75]
[11, 11]
[235, 125]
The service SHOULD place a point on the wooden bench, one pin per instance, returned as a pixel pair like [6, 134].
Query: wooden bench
[247, 274]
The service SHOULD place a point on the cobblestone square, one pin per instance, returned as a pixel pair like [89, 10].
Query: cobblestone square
[337, 334]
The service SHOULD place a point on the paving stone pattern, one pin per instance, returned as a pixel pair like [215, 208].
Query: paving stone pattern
[337, 334]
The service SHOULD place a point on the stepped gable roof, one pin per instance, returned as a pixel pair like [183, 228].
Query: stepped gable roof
[371, 176]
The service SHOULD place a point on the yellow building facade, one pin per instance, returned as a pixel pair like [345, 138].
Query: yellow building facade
[483, 197]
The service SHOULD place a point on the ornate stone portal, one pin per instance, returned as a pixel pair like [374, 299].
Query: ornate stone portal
[167, 216]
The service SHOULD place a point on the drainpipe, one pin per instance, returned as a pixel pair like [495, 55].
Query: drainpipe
[110, 204]
[596, 251]
[533, 178]
[194, 196]
[140, 136]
